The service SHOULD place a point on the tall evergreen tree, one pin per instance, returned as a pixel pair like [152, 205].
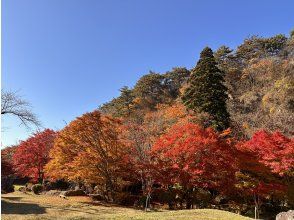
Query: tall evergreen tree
[206, 91]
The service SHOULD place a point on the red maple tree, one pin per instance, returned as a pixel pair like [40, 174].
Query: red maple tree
[262, 159]
[6, 160]
[274, 150]
[31, 155]
[193, 156]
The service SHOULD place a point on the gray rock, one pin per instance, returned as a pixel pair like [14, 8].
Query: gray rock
[73, 193]
[285, 215]
[53, 192]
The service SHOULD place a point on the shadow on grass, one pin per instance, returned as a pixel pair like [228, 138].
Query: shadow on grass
[21, 208]
[14, 198]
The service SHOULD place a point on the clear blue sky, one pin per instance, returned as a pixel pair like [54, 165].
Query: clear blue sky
[69, 56]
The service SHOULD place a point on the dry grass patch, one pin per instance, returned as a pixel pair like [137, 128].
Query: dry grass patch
[19, 205]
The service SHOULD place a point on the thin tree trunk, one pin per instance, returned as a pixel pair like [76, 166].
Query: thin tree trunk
[256, 208]
[147, 202]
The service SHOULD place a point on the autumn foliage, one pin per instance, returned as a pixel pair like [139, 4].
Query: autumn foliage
[273, 150]
[194, 157]
[88, 150]
[167, 139]
[32, 155]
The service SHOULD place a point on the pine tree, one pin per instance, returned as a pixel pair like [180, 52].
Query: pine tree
[206, 91]
[126, 101]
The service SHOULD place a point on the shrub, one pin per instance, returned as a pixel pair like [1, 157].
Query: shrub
[22, 189]
[37, 188]
[59, 184]
[7, 184]
[201, 198]
[126, 199]
[165, 197]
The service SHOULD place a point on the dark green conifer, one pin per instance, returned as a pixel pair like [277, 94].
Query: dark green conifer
[206, 91]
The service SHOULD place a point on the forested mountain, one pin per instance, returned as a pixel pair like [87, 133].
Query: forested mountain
[259, 80]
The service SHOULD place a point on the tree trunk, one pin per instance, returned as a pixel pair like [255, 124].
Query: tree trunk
[147, 203]
[256, 208]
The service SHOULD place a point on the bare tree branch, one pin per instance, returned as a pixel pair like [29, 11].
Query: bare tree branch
[13, 104]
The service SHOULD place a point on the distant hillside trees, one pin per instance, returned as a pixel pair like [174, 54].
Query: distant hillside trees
[259, 77]
[151, 90]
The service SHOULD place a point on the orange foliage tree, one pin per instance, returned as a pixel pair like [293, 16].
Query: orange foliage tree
[88, 150]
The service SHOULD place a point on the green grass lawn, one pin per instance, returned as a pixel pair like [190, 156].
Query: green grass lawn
[19, 205]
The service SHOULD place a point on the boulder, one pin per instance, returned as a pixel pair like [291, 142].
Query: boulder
[72, 193]
[53, 193]
[96, 197]
[285, 215]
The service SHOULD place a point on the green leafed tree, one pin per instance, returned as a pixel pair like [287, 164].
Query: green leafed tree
[174, 80]
[206, 91]
[126, 101]
[121, 106]
[149, 90]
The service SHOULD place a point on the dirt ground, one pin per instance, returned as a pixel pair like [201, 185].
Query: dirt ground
[19, 205]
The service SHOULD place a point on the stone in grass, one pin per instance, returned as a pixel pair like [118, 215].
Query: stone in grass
[72, 193]
[285, 215]
[53, 193]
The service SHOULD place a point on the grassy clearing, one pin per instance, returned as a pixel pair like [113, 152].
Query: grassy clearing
[18, 205]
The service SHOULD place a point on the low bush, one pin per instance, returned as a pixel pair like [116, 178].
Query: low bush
[7, 184]
[59, 184]
[37, 188]
[22, 189]
[126, 199]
